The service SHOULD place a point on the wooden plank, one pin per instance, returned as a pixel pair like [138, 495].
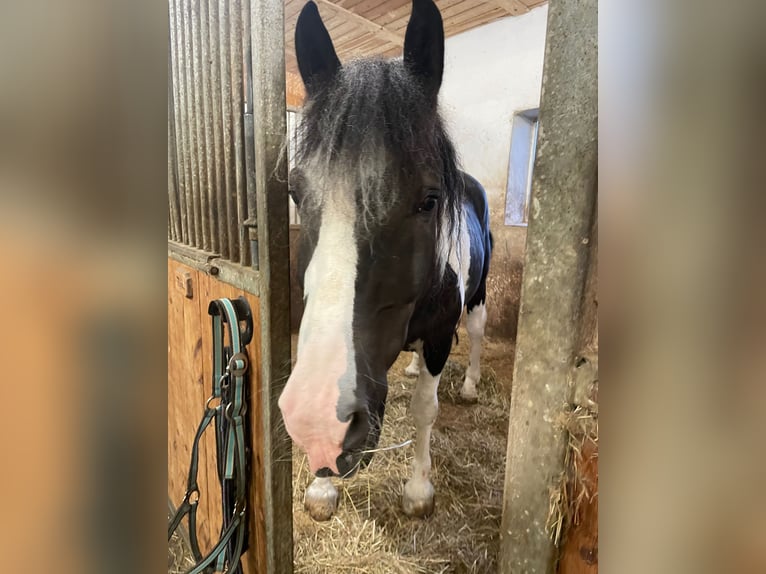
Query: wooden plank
[513, 7]
[366, 45]
[393, 16]
[193, 399]
[355, 5]
[480, 21]
[212, 488]
[471, 13]
[189, 383]
[178, 456]
[579, 554]
[235, 274]
[375, 46]
[348, 34]
[348, 45]
[295, 92]
[383, 13]
[346, 28]
[364, 22]
[292, 9]
[401, 18]
[256, 561]
[471, 18]
[186, 396]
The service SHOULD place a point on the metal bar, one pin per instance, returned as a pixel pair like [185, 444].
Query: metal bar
[235, 47]
[235, 92]
[222, 243]
[200, 151]
[556, 261]
[238, 91]
[174, 181]
[250, 222]
[193, 147]
[179, 110]
[231, 249]
[207, 111]
[268, 51]
[173, 223]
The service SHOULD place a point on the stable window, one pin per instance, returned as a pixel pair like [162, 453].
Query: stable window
[520, 165]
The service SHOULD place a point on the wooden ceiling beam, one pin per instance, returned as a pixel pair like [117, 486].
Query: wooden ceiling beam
[377, 29]
[513, 7]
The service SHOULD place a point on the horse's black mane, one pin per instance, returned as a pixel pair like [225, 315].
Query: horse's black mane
[374, 116]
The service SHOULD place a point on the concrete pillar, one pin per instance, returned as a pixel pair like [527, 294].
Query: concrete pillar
[556, 261]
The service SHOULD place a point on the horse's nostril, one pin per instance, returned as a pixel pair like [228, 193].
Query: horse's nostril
[356, 435]
[347, 465]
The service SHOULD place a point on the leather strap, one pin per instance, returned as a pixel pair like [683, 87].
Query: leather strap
[230, 366]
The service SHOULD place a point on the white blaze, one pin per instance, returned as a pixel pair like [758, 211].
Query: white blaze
[323, 381]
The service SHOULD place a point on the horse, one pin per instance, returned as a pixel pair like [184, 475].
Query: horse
[394, 246]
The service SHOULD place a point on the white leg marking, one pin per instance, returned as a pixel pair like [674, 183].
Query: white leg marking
[418, 499]
[413, 369]
[474, 324]
[321, 499]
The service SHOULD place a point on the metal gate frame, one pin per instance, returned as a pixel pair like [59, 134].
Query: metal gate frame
[269, 109]
[252, 252]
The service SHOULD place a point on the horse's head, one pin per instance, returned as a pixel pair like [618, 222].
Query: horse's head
[375, 184]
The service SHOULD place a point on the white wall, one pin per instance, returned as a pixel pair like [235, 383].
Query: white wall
[489, 73]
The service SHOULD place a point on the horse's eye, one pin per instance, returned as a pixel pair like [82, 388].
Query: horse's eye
[428, 203]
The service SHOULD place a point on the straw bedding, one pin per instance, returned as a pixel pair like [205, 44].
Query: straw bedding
[370, 533]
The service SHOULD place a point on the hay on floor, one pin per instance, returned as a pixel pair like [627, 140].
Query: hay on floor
[575, 486]
[371, 534]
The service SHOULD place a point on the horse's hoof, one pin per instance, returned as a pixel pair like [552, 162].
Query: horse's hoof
[321, 500]
[418, 499]
[468, 392]
[418, 508]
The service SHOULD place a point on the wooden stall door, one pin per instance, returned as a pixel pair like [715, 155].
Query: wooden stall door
[189, 385]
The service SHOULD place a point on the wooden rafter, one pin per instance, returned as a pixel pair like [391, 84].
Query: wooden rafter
[380, 31]
[513, 7]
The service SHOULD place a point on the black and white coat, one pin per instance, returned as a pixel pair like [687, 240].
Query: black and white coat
[395, 245]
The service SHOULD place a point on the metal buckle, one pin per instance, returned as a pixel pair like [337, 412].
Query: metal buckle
[190, 494]
[232, 368]
[230, 407]
[240, 506]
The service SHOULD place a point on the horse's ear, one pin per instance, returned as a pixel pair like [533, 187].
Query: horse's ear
[317, 59]
[424, 45]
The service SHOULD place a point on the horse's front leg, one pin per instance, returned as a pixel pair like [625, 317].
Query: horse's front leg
[321, 499]
[418, 498]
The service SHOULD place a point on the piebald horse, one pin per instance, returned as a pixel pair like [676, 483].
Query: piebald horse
[395, 244]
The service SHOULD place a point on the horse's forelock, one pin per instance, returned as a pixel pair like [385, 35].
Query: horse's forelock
[372, 118]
